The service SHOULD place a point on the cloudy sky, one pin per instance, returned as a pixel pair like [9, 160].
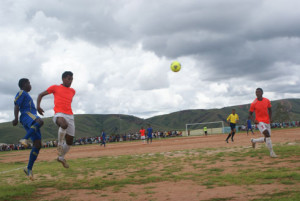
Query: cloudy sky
[120, 52]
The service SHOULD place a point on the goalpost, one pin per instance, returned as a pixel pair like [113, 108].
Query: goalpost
[215, 127]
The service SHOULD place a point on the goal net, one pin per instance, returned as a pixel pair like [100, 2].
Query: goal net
[194, 129]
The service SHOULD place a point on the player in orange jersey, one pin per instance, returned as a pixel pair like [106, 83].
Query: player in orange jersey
[63, 117]
[142, 132]
[263, 113]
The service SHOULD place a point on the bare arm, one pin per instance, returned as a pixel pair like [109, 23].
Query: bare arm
[270, 114]
[251, 117]
[38, 102]
[16, 114]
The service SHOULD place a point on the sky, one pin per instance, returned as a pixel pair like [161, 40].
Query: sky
[120, 52]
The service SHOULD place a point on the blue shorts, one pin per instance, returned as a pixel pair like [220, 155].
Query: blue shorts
[232, 126]
[27, 119]
[36, 136]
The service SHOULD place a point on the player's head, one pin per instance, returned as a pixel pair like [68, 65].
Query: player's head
[67, 78]
[233, 111]
[259, 92]
[24, 84]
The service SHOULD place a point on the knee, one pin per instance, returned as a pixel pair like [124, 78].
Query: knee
[266, 133]
[37, 144]
[40, 122]
[61, 122]
[69, 140]
[64, 126]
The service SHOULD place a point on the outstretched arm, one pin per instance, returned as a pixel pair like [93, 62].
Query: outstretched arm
[38, 102]
[16, 114]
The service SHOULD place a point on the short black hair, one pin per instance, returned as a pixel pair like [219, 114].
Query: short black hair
[66, 73]
[22, 82]
[260, 90]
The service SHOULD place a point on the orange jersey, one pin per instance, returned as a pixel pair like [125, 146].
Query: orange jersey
[142, 131]
[261, 110]
[63, 97]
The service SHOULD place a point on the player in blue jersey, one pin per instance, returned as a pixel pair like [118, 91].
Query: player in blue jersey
[249, 126]
[30, 121]
[103, 138]
[149, 134]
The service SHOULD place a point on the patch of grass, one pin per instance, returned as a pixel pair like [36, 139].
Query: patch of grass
[191, 165]
[281, 196]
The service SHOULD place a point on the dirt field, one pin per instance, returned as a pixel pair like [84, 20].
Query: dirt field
[171, 144]
[182, 190]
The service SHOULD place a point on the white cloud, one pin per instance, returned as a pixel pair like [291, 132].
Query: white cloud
[120, 53]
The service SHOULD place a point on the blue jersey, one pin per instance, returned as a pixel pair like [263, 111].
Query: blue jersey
[249, 123]
[25, 102]
[103, 136]
[26, 107]
[149, 131]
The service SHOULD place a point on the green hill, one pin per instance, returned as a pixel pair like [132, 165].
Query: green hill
[88, 125]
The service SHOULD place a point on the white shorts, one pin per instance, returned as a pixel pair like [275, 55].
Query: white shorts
[142, 137]
[263, 126]
[70, 120]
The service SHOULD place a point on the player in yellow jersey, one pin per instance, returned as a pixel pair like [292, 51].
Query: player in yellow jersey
[232, 119]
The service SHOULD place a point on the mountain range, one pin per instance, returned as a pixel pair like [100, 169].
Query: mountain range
[89, 125]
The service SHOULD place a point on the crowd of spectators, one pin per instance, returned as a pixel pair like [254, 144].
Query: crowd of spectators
[287, 124]
[130, 136]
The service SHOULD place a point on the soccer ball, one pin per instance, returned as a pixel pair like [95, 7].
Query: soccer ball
[175, 66]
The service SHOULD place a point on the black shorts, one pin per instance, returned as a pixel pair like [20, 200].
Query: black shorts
[232, 126]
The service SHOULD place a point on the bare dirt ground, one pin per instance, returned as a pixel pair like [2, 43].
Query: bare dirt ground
[158, 146]
[182, 190]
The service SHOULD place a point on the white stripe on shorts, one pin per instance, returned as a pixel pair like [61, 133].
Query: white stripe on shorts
[263, 126]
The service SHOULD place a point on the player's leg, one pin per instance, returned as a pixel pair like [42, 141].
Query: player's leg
[69, 136]
[261, 128]
[267, 134]
[233, 133]
[37, 144]
[62, 131]
[32, 123]
[65, 149]
[229, 135]
[36, 124]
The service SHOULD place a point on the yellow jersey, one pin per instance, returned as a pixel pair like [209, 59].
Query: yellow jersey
[233, 118]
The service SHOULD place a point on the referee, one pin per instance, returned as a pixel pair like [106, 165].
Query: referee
[232, 119]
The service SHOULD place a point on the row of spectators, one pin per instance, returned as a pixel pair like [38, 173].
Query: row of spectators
[288, 124]
[95, 140]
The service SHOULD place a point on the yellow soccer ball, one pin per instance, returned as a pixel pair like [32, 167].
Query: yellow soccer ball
[175, 66]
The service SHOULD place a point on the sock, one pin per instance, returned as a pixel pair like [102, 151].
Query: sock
[32, 130]
[61, 136]
[269, 144]
[260, 140]
[228, 136]
[32, 157]
[232, 135]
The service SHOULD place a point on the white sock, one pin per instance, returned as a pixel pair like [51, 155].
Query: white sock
[61, 136]
[65, 149]
[269, 144]
[259, 140]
